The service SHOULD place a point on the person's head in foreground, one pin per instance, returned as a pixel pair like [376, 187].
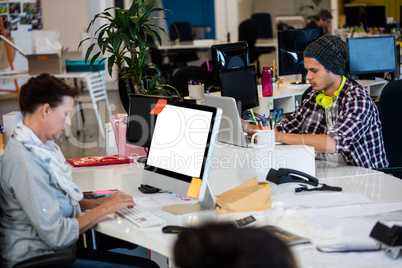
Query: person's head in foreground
[222, 245]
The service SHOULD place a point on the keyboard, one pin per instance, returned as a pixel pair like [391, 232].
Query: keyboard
[140, 216]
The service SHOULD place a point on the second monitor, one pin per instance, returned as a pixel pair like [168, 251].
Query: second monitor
[240, 84]
[291, 45]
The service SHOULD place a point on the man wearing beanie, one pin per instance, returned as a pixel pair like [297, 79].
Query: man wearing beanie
[337, 117]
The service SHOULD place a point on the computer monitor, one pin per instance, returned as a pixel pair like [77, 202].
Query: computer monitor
[355, 16]
[376, 16]
[181, 151]
[140, 120]
[291, 45]
[371, 55]
[228, 56]
[241, 84]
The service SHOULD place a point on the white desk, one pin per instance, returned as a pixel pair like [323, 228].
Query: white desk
[16, 74]
[205, 44]
[25, 75]
[287, 95]
[378, 187]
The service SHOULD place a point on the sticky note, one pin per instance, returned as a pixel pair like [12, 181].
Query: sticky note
[194, 189]
[159, 106]
[102, 193]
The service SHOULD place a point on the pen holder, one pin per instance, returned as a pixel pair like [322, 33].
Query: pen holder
[265, 139]
[196, 91]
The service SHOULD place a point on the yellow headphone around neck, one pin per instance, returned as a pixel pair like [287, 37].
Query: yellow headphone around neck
[327, 101]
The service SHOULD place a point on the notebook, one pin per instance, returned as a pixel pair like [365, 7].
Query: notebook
[230, 130]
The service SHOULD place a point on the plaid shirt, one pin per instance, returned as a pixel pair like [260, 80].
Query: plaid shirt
[352, 121]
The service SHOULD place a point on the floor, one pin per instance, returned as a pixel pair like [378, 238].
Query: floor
[89, 142]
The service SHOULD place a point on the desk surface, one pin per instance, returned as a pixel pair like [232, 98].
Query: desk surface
[207, 43]
[25, 75]
[364, 192]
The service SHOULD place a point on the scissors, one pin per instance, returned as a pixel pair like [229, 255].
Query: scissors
[276, 114]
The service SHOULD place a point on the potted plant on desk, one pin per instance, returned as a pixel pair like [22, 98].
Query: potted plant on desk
[125, 38]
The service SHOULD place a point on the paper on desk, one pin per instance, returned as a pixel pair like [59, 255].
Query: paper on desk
[322, 199]
[163, 200]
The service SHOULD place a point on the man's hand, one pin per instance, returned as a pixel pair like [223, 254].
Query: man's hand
[250, 129]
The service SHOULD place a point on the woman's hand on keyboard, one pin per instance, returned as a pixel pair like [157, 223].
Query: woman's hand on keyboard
[116, 201]
[108, 205]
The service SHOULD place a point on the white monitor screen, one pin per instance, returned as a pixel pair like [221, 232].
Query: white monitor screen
[180, 142]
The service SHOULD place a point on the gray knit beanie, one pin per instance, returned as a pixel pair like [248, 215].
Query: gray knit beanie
[331, 51]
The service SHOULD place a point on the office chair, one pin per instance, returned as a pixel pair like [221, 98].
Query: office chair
[389, 109]
[166, 69]
[248, 32]
[264, 23]
[264, 26]
[182, 76]
[96, 85]
[47, 260]
[91, 249]
[185, 32]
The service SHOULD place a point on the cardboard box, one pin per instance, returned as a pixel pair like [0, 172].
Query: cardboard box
[45, 63]
[42, 63]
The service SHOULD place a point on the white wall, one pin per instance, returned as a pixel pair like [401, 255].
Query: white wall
[69, 17]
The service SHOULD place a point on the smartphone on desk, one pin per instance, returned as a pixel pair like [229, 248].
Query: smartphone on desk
[246, 221]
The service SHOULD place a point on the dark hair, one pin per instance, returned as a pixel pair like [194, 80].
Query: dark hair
[222, 245]
[324, 14]
[42, 89]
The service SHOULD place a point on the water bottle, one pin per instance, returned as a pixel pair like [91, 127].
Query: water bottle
[266, 82]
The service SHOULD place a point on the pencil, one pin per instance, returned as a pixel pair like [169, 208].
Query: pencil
[255, 121]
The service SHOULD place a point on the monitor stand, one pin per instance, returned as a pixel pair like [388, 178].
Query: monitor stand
[142, 159]
[208, 203]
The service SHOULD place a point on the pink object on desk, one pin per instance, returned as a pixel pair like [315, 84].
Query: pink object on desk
[99, 160]
[119, 125]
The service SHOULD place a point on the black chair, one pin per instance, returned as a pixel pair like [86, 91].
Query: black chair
[167, 69]
[248, 32]
[264, 27]
[182, 76]
[184, 29]
[186, 35]
[47, 260]
[103, 244]
[389, 109]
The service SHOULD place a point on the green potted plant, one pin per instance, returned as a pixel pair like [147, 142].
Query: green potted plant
[125, 38]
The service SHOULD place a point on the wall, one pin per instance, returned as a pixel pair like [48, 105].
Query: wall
[196, 12]
[69, 17]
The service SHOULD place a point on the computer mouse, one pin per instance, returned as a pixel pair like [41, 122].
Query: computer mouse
[173, 229]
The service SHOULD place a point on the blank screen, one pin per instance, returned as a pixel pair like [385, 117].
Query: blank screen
[372, 55]
[180, 141]
[241, 85]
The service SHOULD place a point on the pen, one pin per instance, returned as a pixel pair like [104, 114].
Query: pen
[278, 115]
[264, 123]
[273, 69]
